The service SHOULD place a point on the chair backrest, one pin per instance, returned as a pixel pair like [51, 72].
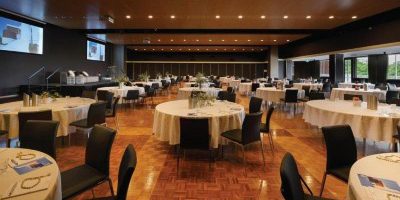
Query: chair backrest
[125, 172]
[255, 104]
[231, 97]
[341, 147]
[291, 187]
[291, 96]
[391, 86]
[230, 90]
[251, 128]
[381, 86]
[102, 95]
[139, 84]
[326, 87]
[115, 104]
[306, 89]
[317, 96]
[88, 94]
[163, 82]
[194, 133]
[146, 88]
[392, 94]
[128, 83]
[23, 117]
[96, 113]
[222, 95]
[40, 135]
[268, 118]
[155, 85]
[254, 86]
[393, 101]
[132, 94]
[98, 148]
[109, 100]
[150, 92]
[349, 97]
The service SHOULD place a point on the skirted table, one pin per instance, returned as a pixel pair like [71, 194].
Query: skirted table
[117, 91]
[271, 94]
[338, 93]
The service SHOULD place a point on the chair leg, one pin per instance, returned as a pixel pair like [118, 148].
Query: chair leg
[244, 157]
[323, 184]
[116, 122]
[177, 159]
[111, 187]
[211, 158]
[262, 152]
[93, 193]
[271, 142]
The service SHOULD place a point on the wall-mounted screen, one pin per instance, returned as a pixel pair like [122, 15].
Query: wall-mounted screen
[96, 51]
[20, 37]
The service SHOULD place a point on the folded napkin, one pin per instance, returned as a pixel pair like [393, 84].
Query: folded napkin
[16, 189]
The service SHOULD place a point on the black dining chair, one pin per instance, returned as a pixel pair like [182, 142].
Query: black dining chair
[131, 96]
[230, 90]
[23, 117]
[291, 180]
[139, 84]
[317, 96]
[39, 135]
[156, 87]
[307, 90]
[391, 95]
[102, 95]
[255, 104]
[231, 97]
[88, 94]
[222, 95]
[291, 98]
[126, 169]
[349, 97]
[112, 113]
[266, 128]
[194, 134]
[341, 152]
[254, 87]
[95, 170]
[249, 133]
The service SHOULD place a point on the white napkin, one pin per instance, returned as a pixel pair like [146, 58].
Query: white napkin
[18, 190]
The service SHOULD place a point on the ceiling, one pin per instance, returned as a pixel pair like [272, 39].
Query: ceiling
[255, 16]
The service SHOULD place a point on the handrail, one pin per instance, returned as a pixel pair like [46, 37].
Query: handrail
[51, 75]
[33, 75]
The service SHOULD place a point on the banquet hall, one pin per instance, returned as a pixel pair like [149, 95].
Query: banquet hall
[227, 99]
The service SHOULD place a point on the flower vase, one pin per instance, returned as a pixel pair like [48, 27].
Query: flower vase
[121, 85]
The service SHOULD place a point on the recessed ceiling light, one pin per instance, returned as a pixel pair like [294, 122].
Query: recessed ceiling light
[248, 40]
[217, 16]
[128, 16]
[216, 49]
[236, 40]
[210, 40]
[153, 49]
[172, 16]
[287, 40]
[354, 17]
[206, 49]
[197, 40]
[262, 40]
[184, 40]
[252, 49]
[159, 40]
[162, 49]
[262, 17]
[331, 17]
[242, 49]
[223, 40]
[224, 49]
[170, 49]
[150, 16]
[172, 40]
[234, 49]
[308, 17]
[180, 49]
[144, 49]
[136, 49]
[240, 17]
[274, 40]
[189, 49]
[285, 17]
[198, 49]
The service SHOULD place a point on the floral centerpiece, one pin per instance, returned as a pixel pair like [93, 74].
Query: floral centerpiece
[144, 77]
[200, 79]
[159, 76]
[48, 97]
[200, 99]
[122, 79]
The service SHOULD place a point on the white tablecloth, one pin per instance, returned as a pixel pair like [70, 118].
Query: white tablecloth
[149, 83]
[377, 125]
[339, 93]
[271, 94]
[373, 167]
[234, 83]
[313, 86]
[122, 91]
[184, 93]
[225, 79]
[189, 84]
[221, 118]
[8, 178]
[245, 88]
[65, 110]
[350, 85]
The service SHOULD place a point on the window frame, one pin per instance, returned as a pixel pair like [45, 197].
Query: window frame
[397, 66]
[356, 67]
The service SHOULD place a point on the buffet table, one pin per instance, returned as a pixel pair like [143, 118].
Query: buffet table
[223, 116]
[64, 110]
[271, 94]
[377, 125]
[338, 93]
[50, 185]
[369, 170]
[184, 93]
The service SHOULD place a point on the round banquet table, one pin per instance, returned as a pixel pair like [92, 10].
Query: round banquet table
[234, 83]
[378, 125]
[149, 83]
[271, 94]
[245, 88]
[122, 91]
[64, 110]
[222, 115]
[189, 84]
[350, 85]
[10, 176]
[313, 86]
[184, 93]
[376, 166]
[225, 79]
[338, 93]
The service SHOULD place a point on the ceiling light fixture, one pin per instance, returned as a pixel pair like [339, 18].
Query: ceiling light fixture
[223, 40]
[331, 17]
[150, 16]
[236, 40]
[153, 49]
[287, 40]
[144, 49]
[285, 17]
[210, 40]
[354, 17]
[274, 40]
[217, 16]
[197, 40]
[216, 49]
[184, 40]
[224, 49]
[248, 40]
[128, 16]
[262, 17]
[262, 40]
[171, 40]
[308, 17]
[189, 49]
[172, 16]
[159, 40]
[240, 17]
[162, 49]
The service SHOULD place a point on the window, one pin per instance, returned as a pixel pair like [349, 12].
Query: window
[393, 71]
[362, 67]
[347, 70]
[324, 68]
[95, 51]
[20, 37]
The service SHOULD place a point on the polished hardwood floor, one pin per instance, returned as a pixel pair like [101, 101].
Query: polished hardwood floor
[156, 176]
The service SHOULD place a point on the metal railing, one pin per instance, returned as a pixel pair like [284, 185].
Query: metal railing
[34, 74]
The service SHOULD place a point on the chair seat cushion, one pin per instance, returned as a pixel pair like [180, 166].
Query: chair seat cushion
[341, 173]
[79, 179]
[234, 135]
[80, 123]
[263, 128]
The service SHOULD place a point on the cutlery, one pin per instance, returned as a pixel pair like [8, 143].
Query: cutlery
[13, 188]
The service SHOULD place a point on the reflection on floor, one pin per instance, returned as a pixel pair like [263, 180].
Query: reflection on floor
[156, 178]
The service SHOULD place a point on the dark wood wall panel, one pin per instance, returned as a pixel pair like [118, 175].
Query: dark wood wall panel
[182, 69]
[214, 69]
[246, 71]
[198, 68]
[207, 69]
[231, 69]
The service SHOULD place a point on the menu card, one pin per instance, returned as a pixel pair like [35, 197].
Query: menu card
[33, 165]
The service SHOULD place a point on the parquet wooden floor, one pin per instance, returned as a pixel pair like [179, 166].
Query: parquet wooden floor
[156, 175]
